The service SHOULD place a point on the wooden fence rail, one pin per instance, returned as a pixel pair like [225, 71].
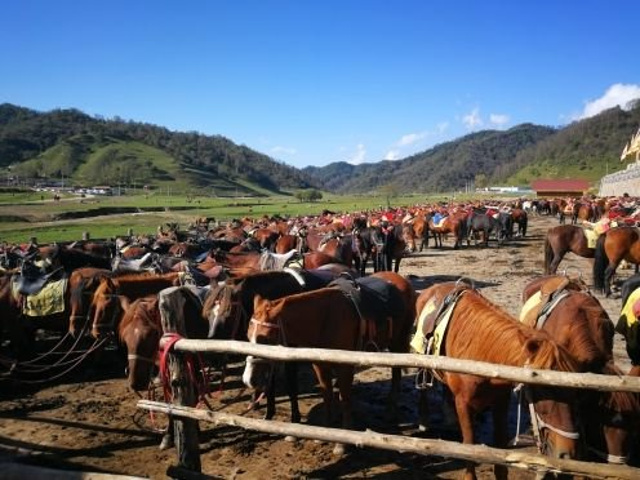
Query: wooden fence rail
[514, 374]
[443, 448]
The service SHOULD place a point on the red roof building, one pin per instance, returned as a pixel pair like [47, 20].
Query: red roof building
[560, 188]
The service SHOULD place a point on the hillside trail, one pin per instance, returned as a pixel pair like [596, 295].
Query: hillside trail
[90, 422]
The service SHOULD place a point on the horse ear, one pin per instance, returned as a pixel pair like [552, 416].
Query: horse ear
[532, 346]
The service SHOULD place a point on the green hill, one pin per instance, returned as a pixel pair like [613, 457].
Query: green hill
[89, 151]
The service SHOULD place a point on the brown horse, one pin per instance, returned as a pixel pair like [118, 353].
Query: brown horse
[77, 298]
[229, 307]
[454, 223]
[479, 330]
[113, 296]
[328, 318]
[562, 240]
[521, 219]
[245, 263]
[140, 330]
[620, 243]
[576, 320]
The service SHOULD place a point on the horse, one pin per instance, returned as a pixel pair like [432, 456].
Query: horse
[561, 240]
[71, 315]
[229, 306]
[140, 331]
[619, 243]
[454, 223]
[113, 296]
[576, 320]
[329, 318]
[479, 330]
[481, 222]
[521, 219]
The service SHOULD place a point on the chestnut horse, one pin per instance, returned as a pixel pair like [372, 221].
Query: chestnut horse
[140, 330]
[620, 243]
[229, 307]
[479, 330]
[455, 223]
[562, 240]
[328, 318]
[577, 321]
[113, 296]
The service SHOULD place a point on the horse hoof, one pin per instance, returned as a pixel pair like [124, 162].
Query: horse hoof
[290, 438]
[339, 449]
[167, 442]
[423, 427]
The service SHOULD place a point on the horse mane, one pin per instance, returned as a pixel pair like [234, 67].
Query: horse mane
[586, 347]
[504, 339]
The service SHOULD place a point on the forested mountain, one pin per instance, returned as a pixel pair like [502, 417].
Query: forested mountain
[88, 150]
[584, 149]
[450, 165]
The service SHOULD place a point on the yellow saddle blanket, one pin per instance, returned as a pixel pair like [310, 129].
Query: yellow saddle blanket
[592, 237]
[47, 301]
[432, 346]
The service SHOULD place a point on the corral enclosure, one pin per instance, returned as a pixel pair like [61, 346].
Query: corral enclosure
[91, 422]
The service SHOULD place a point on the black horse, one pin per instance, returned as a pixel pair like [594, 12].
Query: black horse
[485, 224]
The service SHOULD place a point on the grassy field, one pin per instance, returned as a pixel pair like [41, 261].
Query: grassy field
[26, 215]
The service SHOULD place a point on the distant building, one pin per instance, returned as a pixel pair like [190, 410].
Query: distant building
[560, 188]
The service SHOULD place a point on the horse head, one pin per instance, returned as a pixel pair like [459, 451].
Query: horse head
[554, 409]
[222, 310]
[106, 308]
[140, 331]
[264, 328]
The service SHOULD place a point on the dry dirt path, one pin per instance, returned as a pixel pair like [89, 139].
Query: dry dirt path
[93, 425]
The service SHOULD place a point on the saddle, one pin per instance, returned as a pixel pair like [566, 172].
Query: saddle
[435, 317]
[32, 282]
[376, 301]
[277, 261]
[540, 305]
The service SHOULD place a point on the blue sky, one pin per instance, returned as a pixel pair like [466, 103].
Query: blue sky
[310, 83]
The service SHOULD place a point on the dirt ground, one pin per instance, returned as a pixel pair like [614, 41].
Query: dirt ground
[91, 423]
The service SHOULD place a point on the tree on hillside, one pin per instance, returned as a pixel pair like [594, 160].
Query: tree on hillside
[309, 195]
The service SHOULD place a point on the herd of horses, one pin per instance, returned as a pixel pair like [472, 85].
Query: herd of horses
[306, 287]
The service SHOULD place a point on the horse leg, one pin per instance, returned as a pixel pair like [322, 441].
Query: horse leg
[423, 410]
[465, 418]
[344, 383]
[608, 277]
[500, 431]
[270, 393]
[323, 374]
[291, 375]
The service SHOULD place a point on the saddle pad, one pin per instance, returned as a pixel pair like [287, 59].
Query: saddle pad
[419, 341]
[439, 223]
[47, 301]
[530, 310]
[592, 238]
[627, 314]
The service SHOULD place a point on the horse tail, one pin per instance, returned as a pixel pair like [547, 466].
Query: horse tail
[548, 255]
[600, 263]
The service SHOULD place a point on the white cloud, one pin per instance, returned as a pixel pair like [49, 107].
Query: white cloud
[472, 119]
[499, 119]
[392, 155]
[283, 150]
[359, 155]
[410, 138]
[617, 94]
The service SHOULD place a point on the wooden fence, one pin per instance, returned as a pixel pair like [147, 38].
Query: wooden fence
[186, 418]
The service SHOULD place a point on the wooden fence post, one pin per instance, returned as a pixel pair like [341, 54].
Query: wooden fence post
[183, 391]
